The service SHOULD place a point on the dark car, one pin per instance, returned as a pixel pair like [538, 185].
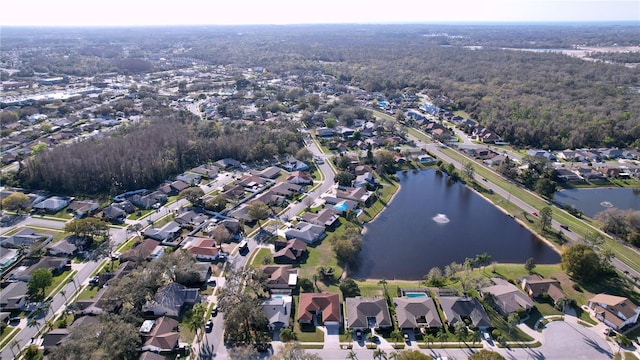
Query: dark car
[214, 311]
[359, 334]
[208, 326]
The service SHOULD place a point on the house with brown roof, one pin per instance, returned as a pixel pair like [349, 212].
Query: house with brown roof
[203, 249]
[271, 172]
[299, 178]
[159, 335]
[535, 286]
[367, 313]
[319, 309]
[507, 298]
[416, 312]
[615, 311]
[280, 276]
[142, 251]
[290, 251]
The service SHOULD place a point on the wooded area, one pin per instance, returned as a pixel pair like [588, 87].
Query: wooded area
[145, 155]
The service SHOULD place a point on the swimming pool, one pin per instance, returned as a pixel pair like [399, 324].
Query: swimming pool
[341, 206]
[415, 295]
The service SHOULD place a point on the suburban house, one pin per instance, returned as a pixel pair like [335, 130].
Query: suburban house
[290, 251]
[203, 249]
[82, 208]
[271, 172]
[299, 178]
[52, 205]
[293, 164]
[542, 153]
[278, 311]
[23, 272]
[189, 178]
[159, 335]
[168, 232]
[228, 163]
[416, 312]
[209, 171]
[56, 337]
[306, 232]
[190, 218]
[13, 296]
[367, 313]
[358, 194]
[457, 308]
[507, 298]
[326, 217]
[114, 214]
[252, 182]
[24, 236]
[535, 286]
[280, 276]
[287, 190]
[170, 300]
[319, 309]
[615, 311]
[142, 251]
[62, 247]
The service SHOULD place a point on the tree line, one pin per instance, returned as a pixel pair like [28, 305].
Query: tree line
[144, 155]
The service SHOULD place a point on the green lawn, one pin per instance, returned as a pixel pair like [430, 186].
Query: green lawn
[88, 293]
[140, 214]
[389, 188]
[57, 280]
[262, 253]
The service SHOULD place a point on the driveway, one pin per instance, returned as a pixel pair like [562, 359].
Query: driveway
[331, 337]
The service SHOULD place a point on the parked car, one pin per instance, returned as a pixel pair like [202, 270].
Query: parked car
[208, 326]
[406, 338]
[359, 334]
[214, 311]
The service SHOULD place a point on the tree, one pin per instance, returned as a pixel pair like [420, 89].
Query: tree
[460, 330]
[468, 170]
[244, 352]
[40, 279]
[545, 187]
[352, 355]
[344, 178]
[386, 160]
[513, 319]
[306, 285]
[434, 277]
[349, 288]
[529, 265]
[593, 239]
[413, 355]
[221, 234]
[90, 227]
[259, 211]
[16, 201]
[304, 154]
[484, 354]
[581, 262]
[545, 217]
[216, 204]
[293, 351]
[287, 334]
[349, 335]
[194, 317]
[193, 195]
[379, 354]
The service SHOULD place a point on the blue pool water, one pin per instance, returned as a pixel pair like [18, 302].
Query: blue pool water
[383, 103]
[341, 207]
[415, 295]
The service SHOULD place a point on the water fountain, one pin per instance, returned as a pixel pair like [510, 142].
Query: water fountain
[441, 219]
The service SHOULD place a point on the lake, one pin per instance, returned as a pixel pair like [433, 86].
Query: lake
[432, 222]
[592, 201]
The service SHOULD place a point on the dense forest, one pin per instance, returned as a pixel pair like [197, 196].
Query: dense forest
[143, 156]
[533, 99]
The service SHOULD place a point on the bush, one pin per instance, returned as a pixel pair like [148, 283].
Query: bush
[576, 287]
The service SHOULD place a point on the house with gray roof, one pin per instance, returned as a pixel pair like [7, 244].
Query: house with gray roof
[170, 300]
[506, 297]
[306, 232]
[166, 233]
[13, 296]
[52, 205]
[457, 309]
[416, 312]
[367, 313]
[24, 236]
[278, 311]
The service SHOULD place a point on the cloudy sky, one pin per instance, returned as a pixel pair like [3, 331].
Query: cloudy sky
[225, 12]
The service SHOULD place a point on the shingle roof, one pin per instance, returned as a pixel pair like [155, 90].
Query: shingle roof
[415, 312]
[327, 303]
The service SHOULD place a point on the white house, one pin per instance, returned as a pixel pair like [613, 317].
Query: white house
[615, 311]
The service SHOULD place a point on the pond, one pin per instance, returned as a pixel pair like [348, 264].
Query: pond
[592, 201]
[432, 222]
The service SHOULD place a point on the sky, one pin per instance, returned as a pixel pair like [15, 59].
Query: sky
[231, 12]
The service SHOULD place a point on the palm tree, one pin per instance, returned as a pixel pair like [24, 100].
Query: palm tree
[393, 355]
[352, 356]
[14, 343]
[383, 282]
[64, 294]
[379, 354]
[349, 333]
[428, 338]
